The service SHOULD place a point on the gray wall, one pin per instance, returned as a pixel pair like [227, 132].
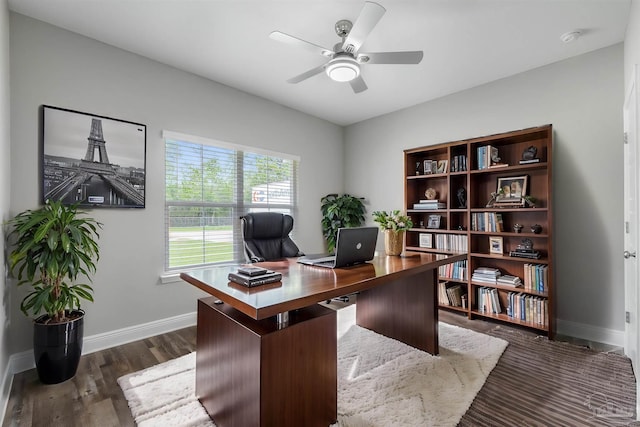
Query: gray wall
[582, 97]
[56, 67]
[4, 181]
[632, 43]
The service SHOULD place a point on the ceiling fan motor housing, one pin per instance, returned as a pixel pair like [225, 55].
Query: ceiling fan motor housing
[343, 67]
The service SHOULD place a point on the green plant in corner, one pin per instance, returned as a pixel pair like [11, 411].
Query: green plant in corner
[54, 244]
[340, 212]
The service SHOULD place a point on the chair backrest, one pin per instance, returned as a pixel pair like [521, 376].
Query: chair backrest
[266, 236]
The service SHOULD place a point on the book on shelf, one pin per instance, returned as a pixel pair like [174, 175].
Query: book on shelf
[536, 277]
[429, 205]
[443, 299]
[485, 275]
[509, 280]
[455, 270]
[530, 255]
[454, 293]
[451, 242]
[487, 154]
[489, 300]
[527, 162]
[528, 308]
[251, 281]
[459, 163]
[487, 221]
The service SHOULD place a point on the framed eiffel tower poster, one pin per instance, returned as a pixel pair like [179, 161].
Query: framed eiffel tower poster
[92, 160]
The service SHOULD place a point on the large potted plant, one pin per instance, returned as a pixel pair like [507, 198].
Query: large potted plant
[53, 246]
[340, 212]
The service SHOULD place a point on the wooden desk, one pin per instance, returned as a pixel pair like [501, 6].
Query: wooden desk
[252, 370]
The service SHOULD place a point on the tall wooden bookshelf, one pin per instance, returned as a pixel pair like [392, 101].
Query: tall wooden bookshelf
[474, 226]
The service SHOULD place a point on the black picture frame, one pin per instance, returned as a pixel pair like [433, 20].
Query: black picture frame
[434, 221]
[92, 160]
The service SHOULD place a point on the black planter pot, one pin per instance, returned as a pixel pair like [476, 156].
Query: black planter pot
[57, 348]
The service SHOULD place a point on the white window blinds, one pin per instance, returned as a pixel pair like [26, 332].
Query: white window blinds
[208, 186]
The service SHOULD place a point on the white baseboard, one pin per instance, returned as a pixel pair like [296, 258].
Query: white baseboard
[23, 361]
[590, 333]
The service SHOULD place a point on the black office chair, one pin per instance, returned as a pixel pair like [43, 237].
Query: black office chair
[266, 236]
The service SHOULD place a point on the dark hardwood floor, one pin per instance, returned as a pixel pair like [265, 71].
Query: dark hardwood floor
[93, 397]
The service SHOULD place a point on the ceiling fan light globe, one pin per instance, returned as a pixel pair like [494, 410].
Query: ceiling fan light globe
[343, 70]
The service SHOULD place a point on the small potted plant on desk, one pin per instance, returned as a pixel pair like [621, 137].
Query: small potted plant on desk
[53, 245]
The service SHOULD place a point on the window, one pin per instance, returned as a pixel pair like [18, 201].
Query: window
[208, 186]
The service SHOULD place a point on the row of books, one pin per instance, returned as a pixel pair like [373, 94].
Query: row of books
[528, 308]
[455, 270]
[459, 163]
[454, 296]
[489, 300]
[536, 277]
[445, 242]
[487, 221]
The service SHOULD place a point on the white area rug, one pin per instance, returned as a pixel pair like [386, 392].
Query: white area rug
[381, 382]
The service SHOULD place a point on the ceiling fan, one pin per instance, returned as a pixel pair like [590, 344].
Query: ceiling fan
[345, 59]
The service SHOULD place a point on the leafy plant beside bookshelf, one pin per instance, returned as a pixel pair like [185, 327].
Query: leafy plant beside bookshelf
[340, 212]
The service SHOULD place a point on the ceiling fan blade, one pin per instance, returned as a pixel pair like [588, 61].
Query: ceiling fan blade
[312, 72]
[369, 17]
[409, 57]
[358, 85]
[310, 47]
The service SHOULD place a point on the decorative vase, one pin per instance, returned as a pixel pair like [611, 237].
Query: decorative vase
[393, 242]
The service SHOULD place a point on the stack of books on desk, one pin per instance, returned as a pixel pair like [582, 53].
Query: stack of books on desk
[254, 276]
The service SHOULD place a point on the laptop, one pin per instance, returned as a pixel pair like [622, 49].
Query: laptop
[353, 246]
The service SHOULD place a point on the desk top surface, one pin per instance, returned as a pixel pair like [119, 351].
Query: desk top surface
[304, 285]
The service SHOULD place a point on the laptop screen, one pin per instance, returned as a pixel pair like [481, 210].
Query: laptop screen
[355, 245]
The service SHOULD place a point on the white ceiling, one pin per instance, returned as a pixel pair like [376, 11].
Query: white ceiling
[465, 42]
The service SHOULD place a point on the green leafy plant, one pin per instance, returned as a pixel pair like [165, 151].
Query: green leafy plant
[392, 220]
[340, 212]
[54, 244]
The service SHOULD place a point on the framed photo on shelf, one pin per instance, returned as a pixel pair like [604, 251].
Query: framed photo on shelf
[442, 166]
[512, 190]
[427, 167]
[496, 245]
[430, 167]
[434, 221]
[92, 160]
[426, 240]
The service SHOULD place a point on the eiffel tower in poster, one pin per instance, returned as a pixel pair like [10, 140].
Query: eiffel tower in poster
[96, 181]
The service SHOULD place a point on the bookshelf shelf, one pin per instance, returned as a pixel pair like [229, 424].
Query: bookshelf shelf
[469, 222]
[507, 319]
[454, 308]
